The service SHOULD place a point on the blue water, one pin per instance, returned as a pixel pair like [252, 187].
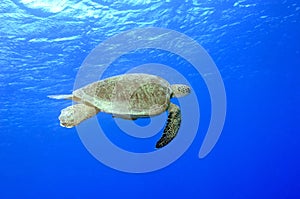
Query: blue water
[256, 46]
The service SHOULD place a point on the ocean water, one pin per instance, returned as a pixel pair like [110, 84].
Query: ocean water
[255, 46]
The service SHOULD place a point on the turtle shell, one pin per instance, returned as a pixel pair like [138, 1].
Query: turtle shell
[135, 95]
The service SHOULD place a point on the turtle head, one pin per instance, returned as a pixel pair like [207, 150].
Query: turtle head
[180, 90]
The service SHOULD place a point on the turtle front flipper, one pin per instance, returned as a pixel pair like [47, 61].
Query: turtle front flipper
[172, 127]
[75, 114]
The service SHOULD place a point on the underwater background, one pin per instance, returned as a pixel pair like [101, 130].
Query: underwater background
[255, 45]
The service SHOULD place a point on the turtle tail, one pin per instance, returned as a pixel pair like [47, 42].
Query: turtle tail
[70, 96]
[172, 127]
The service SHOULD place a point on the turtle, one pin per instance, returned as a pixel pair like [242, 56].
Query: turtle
[128, 96]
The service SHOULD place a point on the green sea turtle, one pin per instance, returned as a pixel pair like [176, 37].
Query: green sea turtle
[128, 96]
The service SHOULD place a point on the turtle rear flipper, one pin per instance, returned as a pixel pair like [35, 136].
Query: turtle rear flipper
[70, 96]
[75, 114]
[172, 127]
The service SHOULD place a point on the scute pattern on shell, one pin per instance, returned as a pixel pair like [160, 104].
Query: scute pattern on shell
[152, 97]
[129, 94]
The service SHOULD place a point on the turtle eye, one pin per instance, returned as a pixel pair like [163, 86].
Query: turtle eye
[184, 89]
